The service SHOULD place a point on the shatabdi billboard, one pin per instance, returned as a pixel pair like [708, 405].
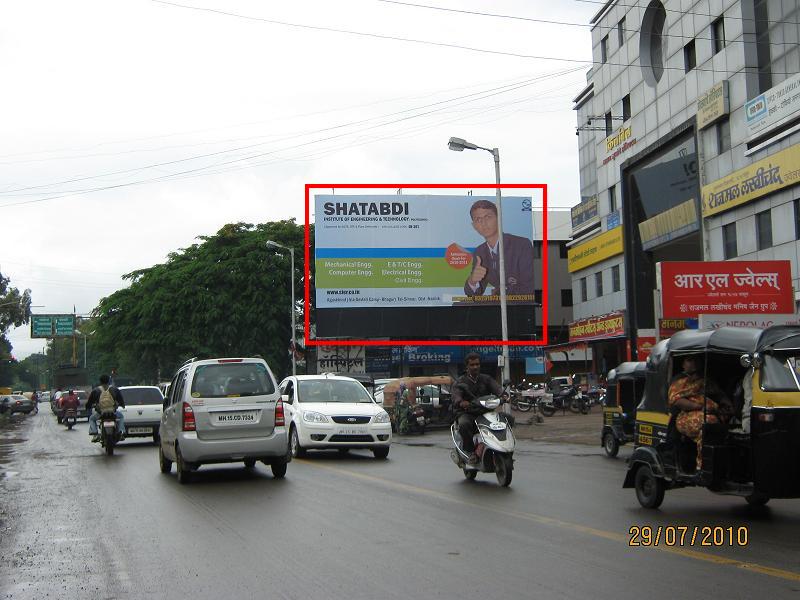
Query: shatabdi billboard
[424, 250]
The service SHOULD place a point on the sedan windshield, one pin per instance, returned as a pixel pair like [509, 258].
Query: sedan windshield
[780, 372]
[332, 390]
[140, 396]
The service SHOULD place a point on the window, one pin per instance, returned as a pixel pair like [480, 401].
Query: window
[621, 31]
[604, 50]
[584, 295]
[615, 283]
[723, 135]
[563, 252]
[537, 296]
[598, 283]
[718, 35]
[612, 198]
[764, 230]
[729, 241]
[762, 45]
[566, 297]
[797, 219]
[626, 107]
[689, 57]
[651, 43]
[609, 124]
[537, 249]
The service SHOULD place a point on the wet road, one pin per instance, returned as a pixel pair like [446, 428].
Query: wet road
[78, 524]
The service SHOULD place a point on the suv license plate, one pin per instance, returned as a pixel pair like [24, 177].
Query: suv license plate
[236, 417]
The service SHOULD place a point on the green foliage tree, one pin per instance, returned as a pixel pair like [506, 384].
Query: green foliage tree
[15, 310]
[227, 295]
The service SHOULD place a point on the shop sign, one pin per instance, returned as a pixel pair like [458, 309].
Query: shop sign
[612, 220]
[773, 108]
[597, 249]
[618, 143]
[669, 327]
[340, 359]
[606, 326]
[760, 321]
[669, 225]
[712, 105]
[644, 345]
[689, 289]
[762, 177]
[585, 212]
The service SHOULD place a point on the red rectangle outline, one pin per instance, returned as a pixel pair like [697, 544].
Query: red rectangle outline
[307, 287]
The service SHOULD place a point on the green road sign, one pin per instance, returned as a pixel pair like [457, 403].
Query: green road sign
[64, 325]
[41, 326]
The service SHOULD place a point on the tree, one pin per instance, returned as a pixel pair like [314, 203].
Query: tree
[15, 310]
[228, 295]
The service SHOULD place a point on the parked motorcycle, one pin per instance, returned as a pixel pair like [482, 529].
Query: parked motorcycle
[568, 397]
[494, 442]
[69, 418]
[109, 431]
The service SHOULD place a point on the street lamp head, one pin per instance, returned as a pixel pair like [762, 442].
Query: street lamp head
[272, 244]
[459, 145]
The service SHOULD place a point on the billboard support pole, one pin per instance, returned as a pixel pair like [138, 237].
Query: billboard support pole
[503, 299]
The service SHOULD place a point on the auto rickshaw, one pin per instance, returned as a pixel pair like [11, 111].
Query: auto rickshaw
[401, 396]
[756, 454]
[625, 386]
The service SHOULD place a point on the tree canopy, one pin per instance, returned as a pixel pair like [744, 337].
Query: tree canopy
[227, 295]
[15, 310]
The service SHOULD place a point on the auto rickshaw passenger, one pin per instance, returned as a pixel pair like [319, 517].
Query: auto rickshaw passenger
[686, 392]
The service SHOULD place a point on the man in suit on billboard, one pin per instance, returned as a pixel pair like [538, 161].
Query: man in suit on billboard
[486, 260]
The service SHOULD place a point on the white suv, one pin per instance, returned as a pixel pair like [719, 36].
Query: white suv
[328, 411]
[223, 410]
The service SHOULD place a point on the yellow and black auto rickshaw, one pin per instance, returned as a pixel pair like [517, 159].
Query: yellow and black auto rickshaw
[756, 453]
[624, 389]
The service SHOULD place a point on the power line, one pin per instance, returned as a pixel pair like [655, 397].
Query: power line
[567, 23]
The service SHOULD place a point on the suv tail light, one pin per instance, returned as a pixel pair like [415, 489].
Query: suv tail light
[188, 418]
[280, 420]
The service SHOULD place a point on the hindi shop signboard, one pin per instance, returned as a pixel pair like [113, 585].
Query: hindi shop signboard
[585, 212]
[689, 289]
[606, 326]
[340, 359]
[376, 251]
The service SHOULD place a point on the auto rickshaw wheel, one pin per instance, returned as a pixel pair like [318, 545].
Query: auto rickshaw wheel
[610, 445]
[757, 499]
[470, 474]
[649, 488]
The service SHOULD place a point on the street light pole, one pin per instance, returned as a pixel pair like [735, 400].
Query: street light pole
[291, 279]
[459, 145]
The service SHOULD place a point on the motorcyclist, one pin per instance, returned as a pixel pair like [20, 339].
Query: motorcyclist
[471, 385]
[94, 398]
[70, 400]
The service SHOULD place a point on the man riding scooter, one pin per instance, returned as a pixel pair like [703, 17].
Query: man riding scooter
[94, 398]
[472, 384]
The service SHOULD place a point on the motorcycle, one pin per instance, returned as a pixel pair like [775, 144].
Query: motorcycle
[69, 418]
[109, 431]
[569, 397]
[494, 442]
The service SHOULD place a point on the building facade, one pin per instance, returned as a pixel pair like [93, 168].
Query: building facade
[689, 149]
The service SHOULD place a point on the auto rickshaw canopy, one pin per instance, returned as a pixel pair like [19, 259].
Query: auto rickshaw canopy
[392, 390]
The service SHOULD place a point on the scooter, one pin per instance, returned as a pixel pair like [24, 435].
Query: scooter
[70, 417]
[494, 442]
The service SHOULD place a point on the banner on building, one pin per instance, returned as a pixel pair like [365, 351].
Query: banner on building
[712, 105]
[340, 359]
[597, 249]
[773, 108]
[644, 344]
[669, 327]
[689, 289]
[606, 326]
[420, 251]
[762, 177]
[760, 321]
[585, 212]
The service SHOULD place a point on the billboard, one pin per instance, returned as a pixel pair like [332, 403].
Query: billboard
[379, 251]
[689, 289]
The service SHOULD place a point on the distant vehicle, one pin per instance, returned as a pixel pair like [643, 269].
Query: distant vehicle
[17, 403]
[143, 408]
[223, 410]
[44, 396]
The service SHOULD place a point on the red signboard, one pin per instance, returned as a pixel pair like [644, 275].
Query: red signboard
[643, 347]
[689, 289]
[612, 325]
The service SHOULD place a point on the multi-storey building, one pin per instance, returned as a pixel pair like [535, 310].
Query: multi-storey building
[689, 141]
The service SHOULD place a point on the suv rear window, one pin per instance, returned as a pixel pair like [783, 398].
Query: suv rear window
[139, 396]
[231, 379]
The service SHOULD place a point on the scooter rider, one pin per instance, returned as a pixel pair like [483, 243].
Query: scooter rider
[471, 385]
[94, 398]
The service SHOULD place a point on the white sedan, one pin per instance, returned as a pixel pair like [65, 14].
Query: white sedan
[329, 411]
[143, 406]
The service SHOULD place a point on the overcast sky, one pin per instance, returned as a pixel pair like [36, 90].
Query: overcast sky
[130, 127]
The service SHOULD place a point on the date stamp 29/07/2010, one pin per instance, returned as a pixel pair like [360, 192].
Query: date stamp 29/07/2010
[688, 535]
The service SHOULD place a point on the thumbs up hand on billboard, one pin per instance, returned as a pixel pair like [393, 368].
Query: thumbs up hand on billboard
[478, 272]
